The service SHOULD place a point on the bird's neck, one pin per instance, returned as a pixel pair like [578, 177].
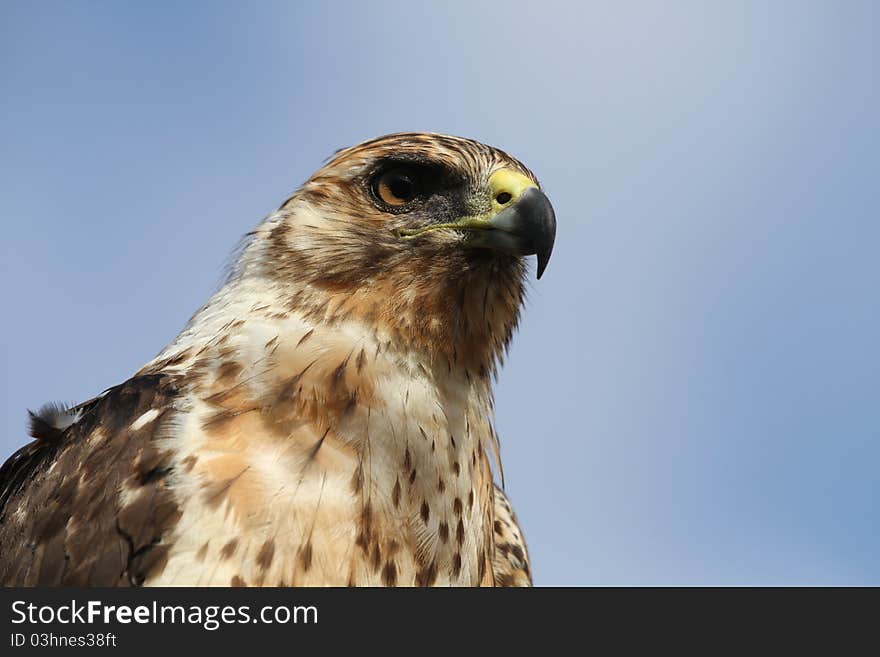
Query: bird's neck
[388, 442]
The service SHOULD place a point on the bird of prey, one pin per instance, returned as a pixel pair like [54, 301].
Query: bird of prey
[326, 418]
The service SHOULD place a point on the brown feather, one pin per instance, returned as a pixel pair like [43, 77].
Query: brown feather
[62, 520]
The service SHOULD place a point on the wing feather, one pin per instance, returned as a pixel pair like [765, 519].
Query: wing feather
[68, 505]
[511, 563]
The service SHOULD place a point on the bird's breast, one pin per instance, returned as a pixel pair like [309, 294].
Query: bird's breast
[325, 459]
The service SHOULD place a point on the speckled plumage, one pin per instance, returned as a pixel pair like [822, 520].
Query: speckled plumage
[325, 419]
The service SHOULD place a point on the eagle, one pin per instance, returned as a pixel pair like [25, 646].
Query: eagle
[326, 418]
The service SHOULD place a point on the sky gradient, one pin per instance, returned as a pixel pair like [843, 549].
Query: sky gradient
[694, 393]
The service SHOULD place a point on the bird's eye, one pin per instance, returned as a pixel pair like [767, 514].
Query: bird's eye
[396, 187]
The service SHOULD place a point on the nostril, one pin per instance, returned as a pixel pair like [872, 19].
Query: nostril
[503, 197]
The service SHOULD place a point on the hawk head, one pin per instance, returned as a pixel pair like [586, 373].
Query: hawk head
[420, 235]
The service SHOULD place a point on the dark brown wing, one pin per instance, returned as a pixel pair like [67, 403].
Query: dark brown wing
[62, 516]
[511, 562]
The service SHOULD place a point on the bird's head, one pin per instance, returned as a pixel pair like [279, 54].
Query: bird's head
[421, 235]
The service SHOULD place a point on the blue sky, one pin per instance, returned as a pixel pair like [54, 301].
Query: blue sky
[693, 395]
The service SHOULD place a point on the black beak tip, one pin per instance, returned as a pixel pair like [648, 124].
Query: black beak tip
[544, 232]
[543, 259]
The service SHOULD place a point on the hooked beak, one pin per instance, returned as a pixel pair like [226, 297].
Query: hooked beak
[526, 226]
[520, 222]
